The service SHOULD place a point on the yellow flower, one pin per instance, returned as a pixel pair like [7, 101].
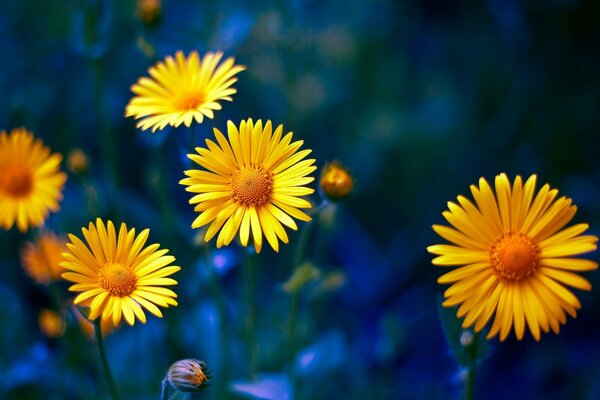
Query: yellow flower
[41, 260]
[77, 161]
[253, 182]
[514, 257]
[117, 274]
[182, 89]
[149, 11]
[52, 324]
[336, 182]
[31, 182]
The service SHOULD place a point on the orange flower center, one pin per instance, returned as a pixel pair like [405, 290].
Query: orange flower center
[118, 279]
[188, 100]
[251, 186]
[16, 181]
[514, 256]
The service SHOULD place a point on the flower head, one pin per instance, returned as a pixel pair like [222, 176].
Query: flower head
[182, 89]
[78, 162]
[52, 323]
[41, 259]
[149, 11]
[31, 182]
[514, 257]
[336, 182]
[188, 375]
[118, 274]
[252, 183]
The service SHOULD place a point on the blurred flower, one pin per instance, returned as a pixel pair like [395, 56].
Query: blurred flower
[182, 90]
[31, 182]
[336, 182]
[514, 257]
[87, 327]
[253, 182]
[117, 274]
[41, 260]
[149, 11]
[77, 161]
[52, 324]
[188, 375]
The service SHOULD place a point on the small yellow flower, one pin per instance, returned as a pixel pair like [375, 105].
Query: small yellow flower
[51, 323]
[77, 161]
[513, 257]
[41, 260]
[182, 89]
[336, 182]
[118, 273]
[251, 183]
[31, 181]
[188, 375]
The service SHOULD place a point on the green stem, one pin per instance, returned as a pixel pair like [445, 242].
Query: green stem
[105, 367]
[470, 383]
[251, 317]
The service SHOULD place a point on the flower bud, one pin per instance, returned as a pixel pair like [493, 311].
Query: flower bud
[149, 11]
[189, 375]
[77, 162]
[52, 324]
[336, 182]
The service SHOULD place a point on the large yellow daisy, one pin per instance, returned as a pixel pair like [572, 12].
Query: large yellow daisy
[253, 182]
[182, 89]
[118, 274]
[514, 258]
[31, 181]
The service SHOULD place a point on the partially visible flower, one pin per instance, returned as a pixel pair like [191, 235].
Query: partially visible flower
[182, 89]
[513, 258]
[41, 259]
[118, 273]
[86, 326]
[252, 183]
[336, 181]
[31, 181]
[52, 323]
[77, 161]
[189, 375]
[149, 11]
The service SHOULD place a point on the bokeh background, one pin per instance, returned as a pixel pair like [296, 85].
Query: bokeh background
[417, 98]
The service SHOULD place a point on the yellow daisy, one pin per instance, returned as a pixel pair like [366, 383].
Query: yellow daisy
[514, 258]
[182, 89]
[253, 182]
[41, 260]
[31, 181]
[117, 274]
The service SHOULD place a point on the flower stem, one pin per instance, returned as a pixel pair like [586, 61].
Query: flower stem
[470, 383]
[164, 394]
[106, 369]
[251, 317]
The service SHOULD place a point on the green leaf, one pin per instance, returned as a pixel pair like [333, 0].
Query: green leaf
[302, 275]
[467, 346]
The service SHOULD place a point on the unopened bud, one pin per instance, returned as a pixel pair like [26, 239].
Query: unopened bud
[52, 324]
[189, 375]
[77, 162]
[336, 182]
[149, 11]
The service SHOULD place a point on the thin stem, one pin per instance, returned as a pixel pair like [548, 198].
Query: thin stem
[105, 367]
[164, 394]
[470, 383]
[251, 317]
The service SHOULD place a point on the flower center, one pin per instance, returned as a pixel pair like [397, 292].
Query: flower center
[188, 100]
[16, 181]
[118, 279]
[251, 186]
[514, 256]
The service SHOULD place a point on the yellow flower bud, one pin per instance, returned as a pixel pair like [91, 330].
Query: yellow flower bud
[189, 375]
[336, 182]
[149, 11]
[52, 324]
[77, 161]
